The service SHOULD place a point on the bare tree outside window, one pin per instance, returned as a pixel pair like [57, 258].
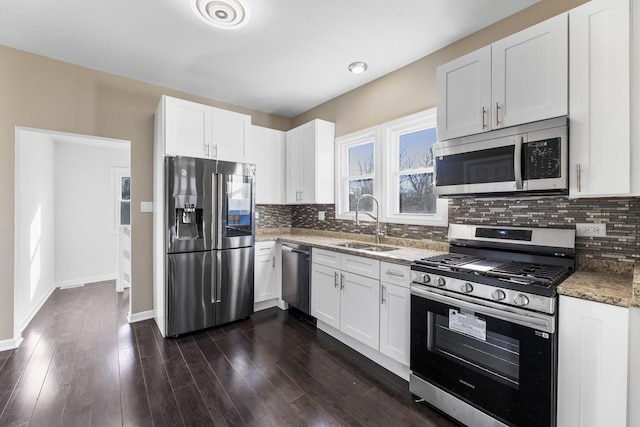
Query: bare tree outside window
[361, 170]
[416, 183]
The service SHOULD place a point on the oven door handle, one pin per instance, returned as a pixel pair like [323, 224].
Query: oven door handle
[532, 320]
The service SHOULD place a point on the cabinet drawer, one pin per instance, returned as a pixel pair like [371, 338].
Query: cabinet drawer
[324, 257]
[397, 274]
[360, 265]
[265, 248]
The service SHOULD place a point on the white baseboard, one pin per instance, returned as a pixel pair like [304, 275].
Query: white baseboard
[11, 343]
[263, 305]
[24, 322]
[139, 317]
[76, 283]
[383, 360]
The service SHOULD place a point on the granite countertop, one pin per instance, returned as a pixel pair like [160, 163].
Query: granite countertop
[408, 250]
[609, 282]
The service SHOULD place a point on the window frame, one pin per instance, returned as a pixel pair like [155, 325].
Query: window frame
[385, 139]
[392, 132]
[343, 143]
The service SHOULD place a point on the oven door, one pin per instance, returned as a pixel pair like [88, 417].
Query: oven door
[499, 360]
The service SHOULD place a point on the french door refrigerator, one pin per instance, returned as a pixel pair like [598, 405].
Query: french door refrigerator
[209, 243]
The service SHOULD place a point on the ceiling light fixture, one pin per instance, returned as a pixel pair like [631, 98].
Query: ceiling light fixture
[226, 14]
[358, 67]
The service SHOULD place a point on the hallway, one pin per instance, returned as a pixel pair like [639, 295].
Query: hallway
[82, 364]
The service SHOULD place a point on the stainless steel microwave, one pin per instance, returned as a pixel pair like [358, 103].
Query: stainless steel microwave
[516, 161]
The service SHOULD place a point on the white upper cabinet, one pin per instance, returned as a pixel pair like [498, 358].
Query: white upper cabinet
[519, 79]
[464, 95]
[188, 128]
[266, 150]
[601, 152]
[310, 163]
[198, 130]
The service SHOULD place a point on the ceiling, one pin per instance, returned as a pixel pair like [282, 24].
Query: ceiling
[290, 57]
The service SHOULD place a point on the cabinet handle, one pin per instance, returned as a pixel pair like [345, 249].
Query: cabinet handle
[497, 114]
[273, 261]
[341, 281]
[206, 149]
[215, 151]
[382, 299]
[395, 273]
[335, 281]
[579, 170]
[484, 114]
[266, 248]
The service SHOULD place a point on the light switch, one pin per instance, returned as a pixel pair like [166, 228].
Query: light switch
[146, 206]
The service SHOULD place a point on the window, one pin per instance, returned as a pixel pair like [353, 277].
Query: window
[409, 170]
[401, 177]
[356, 160]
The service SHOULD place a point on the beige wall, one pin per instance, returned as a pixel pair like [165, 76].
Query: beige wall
[413, 88]
[41, 93]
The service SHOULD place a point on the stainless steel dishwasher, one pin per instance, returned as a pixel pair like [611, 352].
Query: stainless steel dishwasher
[296, 276]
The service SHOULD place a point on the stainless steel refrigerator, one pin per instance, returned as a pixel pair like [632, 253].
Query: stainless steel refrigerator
[209, 243]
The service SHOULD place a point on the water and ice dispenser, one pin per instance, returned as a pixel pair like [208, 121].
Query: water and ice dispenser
[188, 217]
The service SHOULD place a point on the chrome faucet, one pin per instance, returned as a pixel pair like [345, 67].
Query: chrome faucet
[356, 221]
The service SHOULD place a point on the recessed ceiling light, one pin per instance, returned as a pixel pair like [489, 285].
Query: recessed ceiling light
[226, 14]
[358, 67]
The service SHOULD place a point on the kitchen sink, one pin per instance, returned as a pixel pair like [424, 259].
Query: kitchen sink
[379, 248]
[367, 247]
[354, 245]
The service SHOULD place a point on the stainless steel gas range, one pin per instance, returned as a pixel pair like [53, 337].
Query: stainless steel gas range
[483, 324]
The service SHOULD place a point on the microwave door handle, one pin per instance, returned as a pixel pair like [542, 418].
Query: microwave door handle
[517, 162]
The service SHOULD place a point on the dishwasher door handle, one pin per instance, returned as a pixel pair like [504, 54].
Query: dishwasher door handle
[295, 251]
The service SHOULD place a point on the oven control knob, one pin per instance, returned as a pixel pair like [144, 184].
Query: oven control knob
[440, 281]
[498, 295]
[521, 300]
[466, 287]
[426, 278]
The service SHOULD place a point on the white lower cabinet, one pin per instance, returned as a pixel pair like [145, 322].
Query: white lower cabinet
[592, 363]
[365, 303]
[264, 274]
[395, 308]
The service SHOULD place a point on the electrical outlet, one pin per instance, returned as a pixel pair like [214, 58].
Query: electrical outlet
[146, 206]
[591, 230]
[321, 216]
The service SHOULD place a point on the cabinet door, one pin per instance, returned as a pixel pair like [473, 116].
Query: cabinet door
[230, 131]
[360, 308]
[395, 306]
[529, 73]
[188, 128]
[294, 166]
[265, 271]
[464, 95]
[325, 294]
[266, 150]
[308, 185]
[600, 140]
[592, 364]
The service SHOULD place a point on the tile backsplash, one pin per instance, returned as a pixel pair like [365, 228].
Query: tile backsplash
[621, 215]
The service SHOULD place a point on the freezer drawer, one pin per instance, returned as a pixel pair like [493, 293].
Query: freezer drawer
[208, 288]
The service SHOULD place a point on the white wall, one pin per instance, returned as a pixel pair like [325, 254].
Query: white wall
[86, 242]
[634, 367]
[35, 219]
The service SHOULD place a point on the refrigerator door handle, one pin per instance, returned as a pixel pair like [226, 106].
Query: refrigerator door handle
[216, 279]
[214, 210]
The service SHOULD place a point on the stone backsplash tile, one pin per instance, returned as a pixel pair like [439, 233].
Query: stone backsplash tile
[621, 215]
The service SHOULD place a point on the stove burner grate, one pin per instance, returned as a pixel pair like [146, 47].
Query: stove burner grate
[450, 260]
[539, 274]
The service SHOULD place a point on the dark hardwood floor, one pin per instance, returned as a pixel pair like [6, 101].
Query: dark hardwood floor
[82, 364]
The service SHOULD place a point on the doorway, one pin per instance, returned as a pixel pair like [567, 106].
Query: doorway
[67, 214]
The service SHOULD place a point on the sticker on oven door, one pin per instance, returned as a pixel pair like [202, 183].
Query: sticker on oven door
[467, 324]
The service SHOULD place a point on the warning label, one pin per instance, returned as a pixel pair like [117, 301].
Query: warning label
[467, 324]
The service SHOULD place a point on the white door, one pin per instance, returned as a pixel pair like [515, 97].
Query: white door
[360, 311]
[230, 132]
[264, 272]
[267, 151]
[294, 166]
[529, 74]
[308, 184]
[395, 306]
[188, 128]
[325, 294]
[464, 95]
